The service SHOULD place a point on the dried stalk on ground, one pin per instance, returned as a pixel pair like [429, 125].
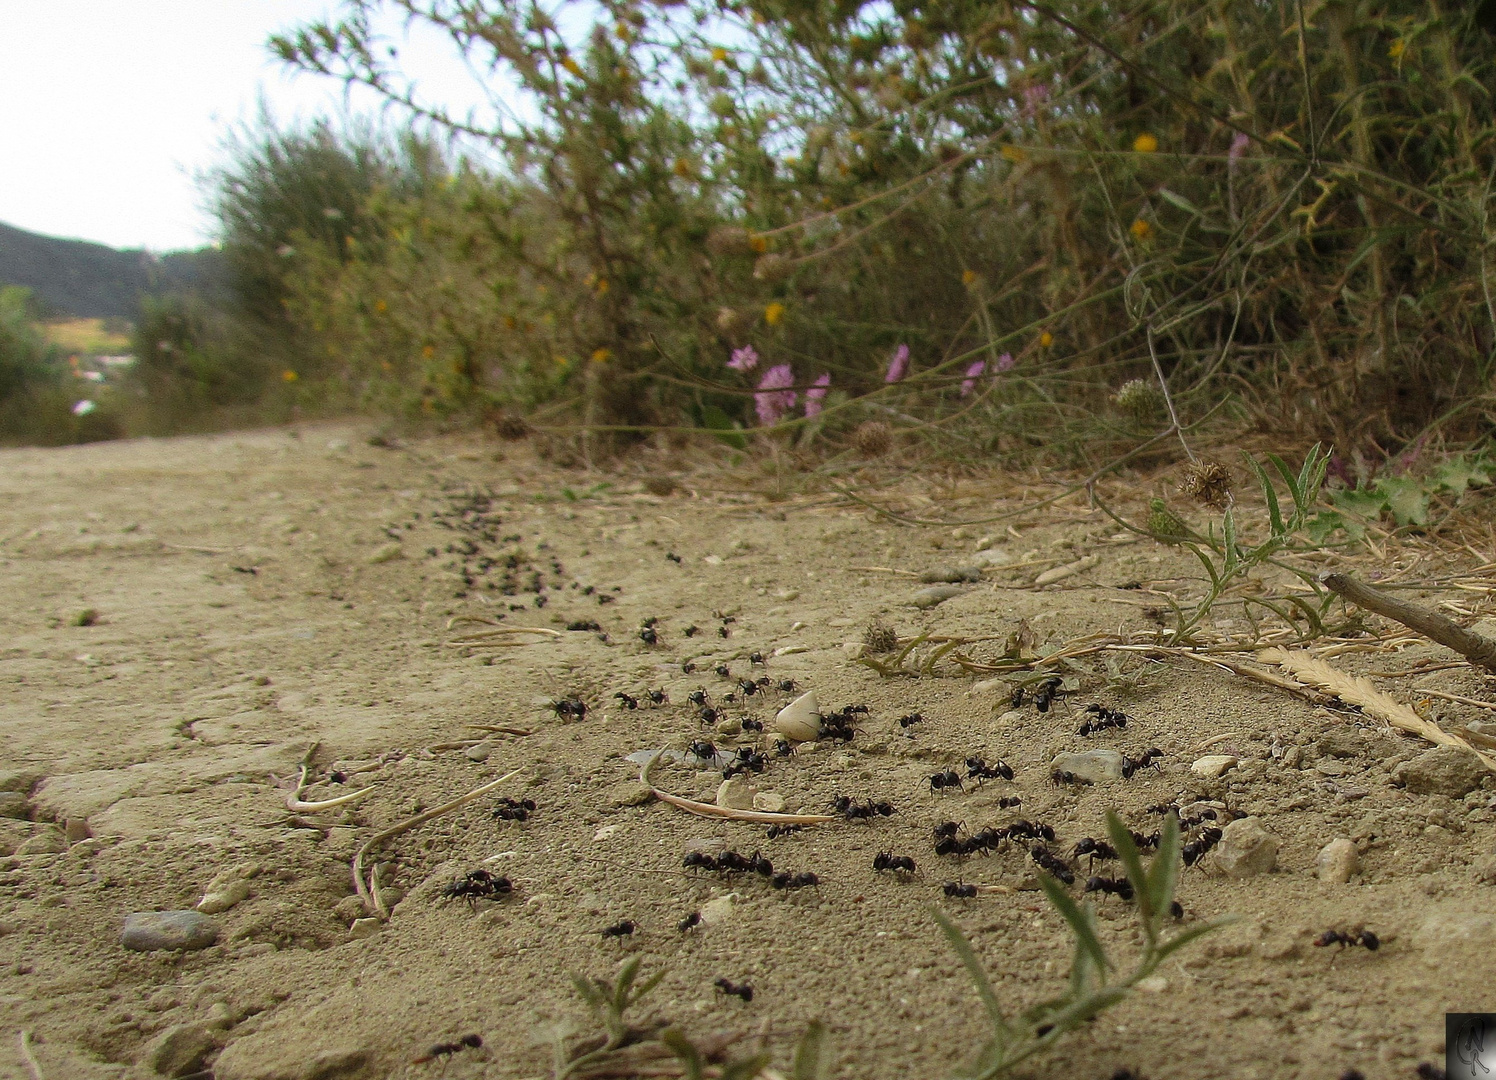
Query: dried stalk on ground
[713, 810]
[1474, 647]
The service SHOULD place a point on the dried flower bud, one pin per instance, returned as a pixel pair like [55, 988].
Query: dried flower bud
[879, 637]
[1139, 398]
[1207, 482]
[873, 438]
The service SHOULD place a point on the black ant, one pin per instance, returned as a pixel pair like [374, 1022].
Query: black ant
[702, 749]
[1426, 1071]
[959, 889]
[691, 631]
[945, 829]
[697, 697]
[514, 809]
[723, 670]
[627, 701]
[1029, 830]
[573, 708]
[690, 921]
[448, 1049]
[909, 721]
[1336, 937]
[855, 811]
[708, 715]
[583, 624]
[619, 929]
[732, 989]
[757, 658]
[649, 635]
[1052, 863]
[673, 557]
[1102, 718]
[1096, 849]
[782, 748]
[942, 780]
[1017, 698]
[1046, 693]
[978, 769]
[1146, 841]
[687, 668]
[748, 687]
[1195, 850]
[723, 631]
[747, 760]
[795, 881]
[337, 776]
[1009, 802]
[783, 830]
[1111, 886]
[1060, 777]
[477, 885]
[787, 685]
[750, 724]
[698, 860]
[658, 697]
[1148, 759]
[886, 860]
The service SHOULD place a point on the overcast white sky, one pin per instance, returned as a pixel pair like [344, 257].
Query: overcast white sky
[109, 110]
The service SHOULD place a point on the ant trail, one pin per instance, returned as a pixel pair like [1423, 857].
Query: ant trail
[369, 893]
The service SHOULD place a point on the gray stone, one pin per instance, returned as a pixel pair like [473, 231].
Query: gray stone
[1090, 765]
[935, 594]
[364, 928]
[14, 805]
[179, 1050]
[951, 574]
[1211, 766]
[479, 751]
[47, 840]
[1338, 861]
[1246, 849]
[735, 794]
[1444, 770]
[148, 931]
[770, 802]
[222, 895]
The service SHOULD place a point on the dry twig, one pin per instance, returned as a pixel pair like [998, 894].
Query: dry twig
[713, 810]
[1476, 648]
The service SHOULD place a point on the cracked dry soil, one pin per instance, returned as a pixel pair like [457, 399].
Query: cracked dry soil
[255, 593]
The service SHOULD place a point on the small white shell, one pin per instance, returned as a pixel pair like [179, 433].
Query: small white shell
[800, 720]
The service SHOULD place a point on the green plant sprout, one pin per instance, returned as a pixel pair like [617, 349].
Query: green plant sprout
[1091, 989]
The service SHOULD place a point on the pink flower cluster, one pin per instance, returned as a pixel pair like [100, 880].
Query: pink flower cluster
[744, 359]
[774, 398]
[976, 370]
[898, 367]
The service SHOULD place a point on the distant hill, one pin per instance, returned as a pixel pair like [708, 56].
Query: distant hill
[75, 277]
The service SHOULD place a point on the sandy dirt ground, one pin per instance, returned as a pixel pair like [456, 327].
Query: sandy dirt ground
[182, 620]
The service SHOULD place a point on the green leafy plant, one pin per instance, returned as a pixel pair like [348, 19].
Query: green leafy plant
[1091, 989]
[1407, 498]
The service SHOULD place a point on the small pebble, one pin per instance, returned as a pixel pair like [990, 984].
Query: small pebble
[148, 931]
[935, 594]
[1246, 849]
[219, 897]
[1090, 765]
[735, 794]
[952, 574]
[629, 793]
[1211, 766]
[179, 1049]
[770, 802]
[1337, 861]
[729, 727]
[718, 911]
[363, 928]
[1444, 770]
[47, 840]
[479, 751]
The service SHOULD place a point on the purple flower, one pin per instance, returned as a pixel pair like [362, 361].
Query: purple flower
[814, 395]
[899, 365]
[1004, 363]
[973, 373]
[744, 359]
[773, 400]
[1238, 147]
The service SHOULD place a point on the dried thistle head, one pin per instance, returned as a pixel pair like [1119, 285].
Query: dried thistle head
[1207, 482]
[1139, 399]
[879, 637]
[508, 426]
[873, 438]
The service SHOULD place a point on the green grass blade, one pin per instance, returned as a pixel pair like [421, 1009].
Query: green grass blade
[812, 1060]
[1132, 862]
[625, 981]
[685, 1050]
[747, 1068]
[1080, 923]
[1269, 494]
[646, 986]
[969, 960]
[1163, 872]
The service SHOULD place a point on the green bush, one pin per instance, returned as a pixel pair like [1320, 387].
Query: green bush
[37, 392]
[1277, 210]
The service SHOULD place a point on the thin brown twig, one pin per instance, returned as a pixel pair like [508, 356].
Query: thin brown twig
[713, 810]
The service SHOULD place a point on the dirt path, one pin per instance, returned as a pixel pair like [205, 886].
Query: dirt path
[254, 594]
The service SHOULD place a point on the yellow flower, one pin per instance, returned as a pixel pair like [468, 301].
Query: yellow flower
[428, 352]
[1145, 143]
[1397, 48]
[621, 31]
[758, 244]
[601, 286]
[289, 376]
[1140, 229]
[1013, 153]
[380, 306]
[601, 356]
[968, 277]
[571, 65]
[719, 54]
[1046, 339]
[774, 313]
